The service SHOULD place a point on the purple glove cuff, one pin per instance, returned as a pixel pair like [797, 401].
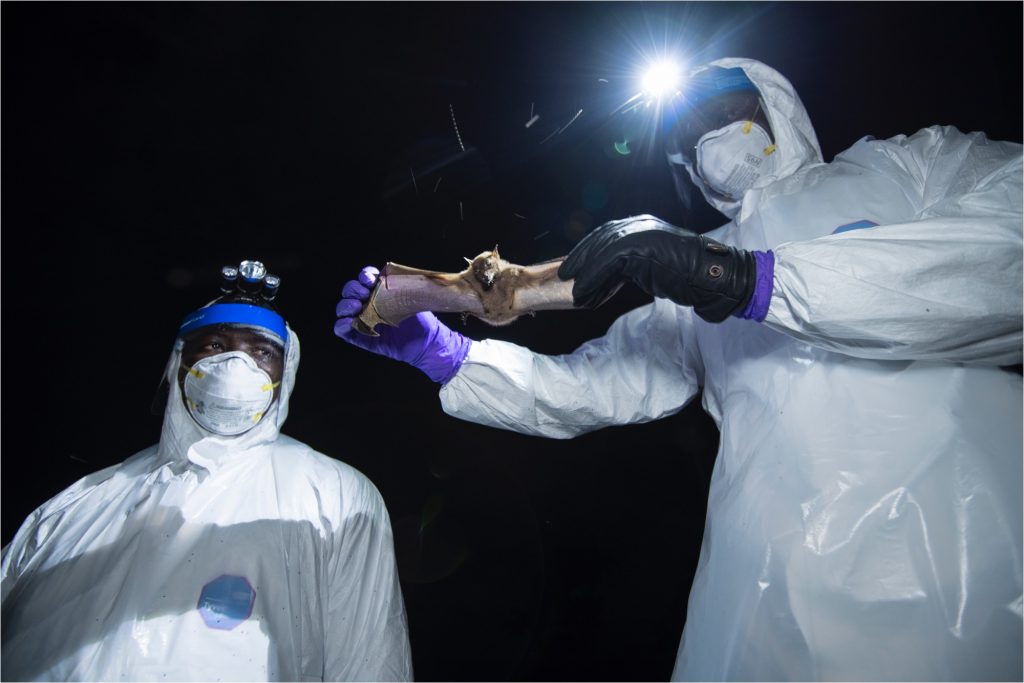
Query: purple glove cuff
[757, 307]
[447, 351]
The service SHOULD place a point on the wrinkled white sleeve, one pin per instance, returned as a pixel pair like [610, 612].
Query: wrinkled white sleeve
[366, 631]
[642, 369]
[944, 287]
[17, 553]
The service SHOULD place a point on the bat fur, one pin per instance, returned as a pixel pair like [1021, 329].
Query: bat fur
[490, 288]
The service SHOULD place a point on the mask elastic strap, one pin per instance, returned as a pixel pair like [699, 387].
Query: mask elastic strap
[750, 124]
[747, 127]
[770, 149]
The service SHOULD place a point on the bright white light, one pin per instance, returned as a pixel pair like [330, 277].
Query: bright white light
[662, 79]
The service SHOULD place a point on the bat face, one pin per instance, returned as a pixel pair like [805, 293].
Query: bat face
[487, 267]
[490, 288]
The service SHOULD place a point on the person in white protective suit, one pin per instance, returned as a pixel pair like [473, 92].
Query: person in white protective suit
[848, 326]
[227, 551]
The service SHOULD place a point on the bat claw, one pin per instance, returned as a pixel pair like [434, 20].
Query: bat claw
[363, 328]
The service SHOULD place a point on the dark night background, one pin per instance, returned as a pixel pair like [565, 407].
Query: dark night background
[146, 145]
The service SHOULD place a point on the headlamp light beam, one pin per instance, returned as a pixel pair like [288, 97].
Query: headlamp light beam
[661, 79]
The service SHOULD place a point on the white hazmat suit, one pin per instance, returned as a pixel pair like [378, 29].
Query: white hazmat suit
[247, 558]
[864, 516]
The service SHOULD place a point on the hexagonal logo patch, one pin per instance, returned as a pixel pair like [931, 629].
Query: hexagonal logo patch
[226, 602]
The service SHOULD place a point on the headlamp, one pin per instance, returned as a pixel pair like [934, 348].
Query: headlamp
[250, 276]
[251, 279]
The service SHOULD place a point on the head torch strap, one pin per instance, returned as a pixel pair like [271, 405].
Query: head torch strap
[237, 314]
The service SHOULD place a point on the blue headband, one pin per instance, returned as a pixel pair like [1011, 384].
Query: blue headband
[237, 314]
[701, 87]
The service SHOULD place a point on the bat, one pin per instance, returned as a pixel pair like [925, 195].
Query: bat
[490, 289]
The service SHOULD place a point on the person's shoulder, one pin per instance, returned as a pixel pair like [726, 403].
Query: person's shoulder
[936, 137]
[898, 154]
[97, 480]
[938, 149]
[304, 455]
[326, 473]
[49, 518]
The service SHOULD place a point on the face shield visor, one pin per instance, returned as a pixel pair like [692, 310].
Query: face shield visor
[235, 347]
[717, 135]
[257, 319]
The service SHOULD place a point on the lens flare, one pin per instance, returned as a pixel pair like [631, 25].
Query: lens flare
[662, 79]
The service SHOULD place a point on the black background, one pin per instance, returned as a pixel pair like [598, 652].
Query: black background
[146, 145]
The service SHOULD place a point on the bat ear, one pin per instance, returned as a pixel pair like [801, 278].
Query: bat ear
[468, 260]
[495, 251]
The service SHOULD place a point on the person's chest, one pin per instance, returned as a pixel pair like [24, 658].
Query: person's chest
[185, 574]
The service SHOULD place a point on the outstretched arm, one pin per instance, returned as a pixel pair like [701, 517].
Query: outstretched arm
[946, 286]
[645, 367]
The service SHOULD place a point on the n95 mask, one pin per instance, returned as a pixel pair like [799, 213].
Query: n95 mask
[731, 159]
[228, 394]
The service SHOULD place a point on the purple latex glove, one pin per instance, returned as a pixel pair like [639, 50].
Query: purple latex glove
[422, 341]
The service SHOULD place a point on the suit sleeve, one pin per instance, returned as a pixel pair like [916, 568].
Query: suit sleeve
[644, 368]
[946, 286]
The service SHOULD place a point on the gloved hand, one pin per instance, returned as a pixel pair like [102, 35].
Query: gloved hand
[422, 341]
[673, 263]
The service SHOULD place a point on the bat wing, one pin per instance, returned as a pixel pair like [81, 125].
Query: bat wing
[402, 291]
[539, 288]
[393, 269]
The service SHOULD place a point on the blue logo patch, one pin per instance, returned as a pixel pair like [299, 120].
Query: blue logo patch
[226, 602]
[856, 225]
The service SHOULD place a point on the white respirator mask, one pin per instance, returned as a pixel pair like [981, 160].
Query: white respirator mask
[731, 159]
[228, 394]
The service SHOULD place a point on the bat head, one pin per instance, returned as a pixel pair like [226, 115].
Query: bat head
[486, 267]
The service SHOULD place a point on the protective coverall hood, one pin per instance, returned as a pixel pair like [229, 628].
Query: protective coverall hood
[181, 437]
[795, 141]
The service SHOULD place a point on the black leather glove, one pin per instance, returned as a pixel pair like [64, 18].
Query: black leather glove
[664, 261]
